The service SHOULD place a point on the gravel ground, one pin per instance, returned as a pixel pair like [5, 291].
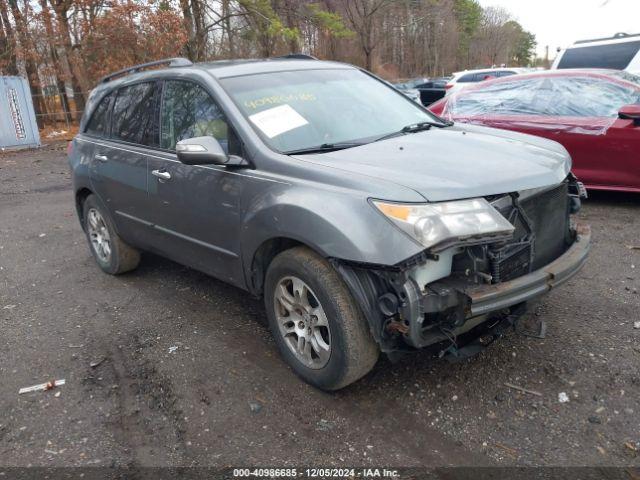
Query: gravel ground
[224, 398]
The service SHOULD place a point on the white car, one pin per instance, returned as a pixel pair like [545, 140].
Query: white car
[466, 78]
[620, 52]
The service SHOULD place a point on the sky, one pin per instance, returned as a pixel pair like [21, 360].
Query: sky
[559, 23]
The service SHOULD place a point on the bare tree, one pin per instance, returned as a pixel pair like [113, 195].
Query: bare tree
[78, 71]
[28, 51]
[365, 18]
[495, 38]
[55, 58]
[9, 42]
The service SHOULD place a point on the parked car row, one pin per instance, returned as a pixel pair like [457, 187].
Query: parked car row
[588, 102]
[620, 52]
[430, 90]
[461, 80]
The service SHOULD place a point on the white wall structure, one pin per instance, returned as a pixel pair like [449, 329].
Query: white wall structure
[18, 127]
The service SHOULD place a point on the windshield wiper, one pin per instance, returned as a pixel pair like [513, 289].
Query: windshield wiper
[414, 128]
[325, 147]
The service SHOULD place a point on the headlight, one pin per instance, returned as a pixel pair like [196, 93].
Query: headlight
[442, 224]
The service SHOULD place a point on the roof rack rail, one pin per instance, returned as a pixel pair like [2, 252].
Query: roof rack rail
[617, 36]
[173, 62]
[297, 56]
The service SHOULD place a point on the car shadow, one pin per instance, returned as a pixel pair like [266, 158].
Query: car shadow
[187, 285]
[186, 279]
[604, 198]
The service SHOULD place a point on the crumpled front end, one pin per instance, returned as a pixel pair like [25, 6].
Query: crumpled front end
[439, 297]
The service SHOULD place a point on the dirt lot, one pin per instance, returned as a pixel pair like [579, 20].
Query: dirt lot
[223, 397]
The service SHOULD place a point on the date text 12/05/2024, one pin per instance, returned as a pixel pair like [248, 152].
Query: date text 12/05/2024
[315, 473]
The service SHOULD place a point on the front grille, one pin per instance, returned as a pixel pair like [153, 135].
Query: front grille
[541, 235]
[541, 231]
[548, 213]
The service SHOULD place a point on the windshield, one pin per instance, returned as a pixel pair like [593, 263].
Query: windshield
[303, 109]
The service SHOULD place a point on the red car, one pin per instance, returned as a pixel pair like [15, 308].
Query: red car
[595, 114]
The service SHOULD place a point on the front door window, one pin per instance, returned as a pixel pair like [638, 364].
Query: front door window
[188, 111]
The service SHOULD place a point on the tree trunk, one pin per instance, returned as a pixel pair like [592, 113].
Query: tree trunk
[200, 33]
[189, 47]
[5, 47]
[367, 59]
[62, 91]
[79, 79]
[10, 48]
[226, 13]
[30, 66]
[294, 46]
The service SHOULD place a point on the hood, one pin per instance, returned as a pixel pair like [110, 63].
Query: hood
[457, 162]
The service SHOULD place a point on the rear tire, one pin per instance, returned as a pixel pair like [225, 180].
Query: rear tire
[112, 255]
[305, 297]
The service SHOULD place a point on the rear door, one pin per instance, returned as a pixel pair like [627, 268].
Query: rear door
[624, 139]
[196, 210]
[119, 167]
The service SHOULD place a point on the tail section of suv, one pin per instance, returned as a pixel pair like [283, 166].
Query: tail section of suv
[366, 223]
[620, 52]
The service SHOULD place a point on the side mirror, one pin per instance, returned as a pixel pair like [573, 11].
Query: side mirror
[205, 151]
[631, 112]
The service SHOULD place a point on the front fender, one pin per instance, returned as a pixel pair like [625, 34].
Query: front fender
[336, 224]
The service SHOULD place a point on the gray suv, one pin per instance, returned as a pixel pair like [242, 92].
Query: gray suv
[365, 222]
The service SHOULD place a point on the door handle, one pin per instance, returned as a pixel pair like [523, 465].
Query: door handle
[161, 175]
[102, 158]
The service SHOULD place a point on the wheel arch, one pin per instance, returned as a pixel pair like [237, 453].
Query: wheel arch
[81, 196]
[264, 255]
[363, 285]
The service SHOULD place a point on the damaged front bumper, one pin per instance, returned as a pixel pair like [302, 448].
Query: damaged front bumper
[405, 315]
[490, 298]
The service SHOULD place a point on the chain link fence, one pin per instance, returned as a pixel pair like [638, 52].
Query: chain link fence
[58, 108]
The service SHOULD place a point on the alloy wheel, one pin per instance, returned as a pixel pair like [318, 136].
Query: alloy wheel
[99, 235]
[302, 322]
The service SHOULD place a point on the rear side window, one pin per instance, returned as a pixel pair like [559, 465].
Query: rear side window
[470, 77]
[135, 114]
[615, 56]
[99, 120]
[481, 76]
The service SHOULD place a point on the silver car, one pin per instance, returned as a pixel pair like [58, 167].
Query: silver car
[366, 223]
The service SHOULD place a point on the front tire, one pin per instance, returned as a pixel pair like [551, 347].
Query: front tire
[317, 325]
[112, 254]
